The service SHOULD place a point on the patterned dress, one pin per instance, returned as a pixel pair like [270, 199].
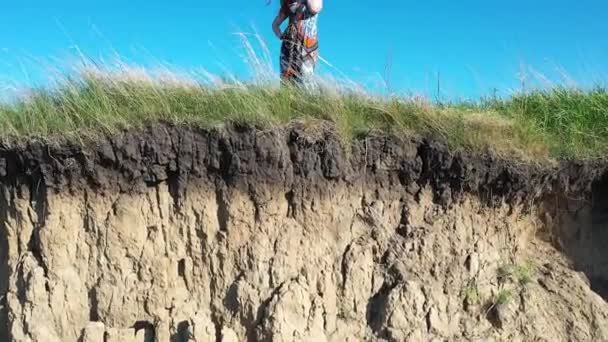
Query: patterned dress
[299, 50]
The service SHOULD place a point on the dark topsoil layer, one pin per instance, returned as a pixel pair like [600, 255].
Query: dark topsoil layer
[242, 156]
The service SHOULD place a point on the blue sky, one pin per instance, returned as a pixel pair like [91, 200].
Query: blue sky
[472, 46]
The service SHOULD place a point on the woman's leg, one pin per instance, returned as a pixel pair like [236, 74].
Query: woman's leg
[307, 73]
[290, 59]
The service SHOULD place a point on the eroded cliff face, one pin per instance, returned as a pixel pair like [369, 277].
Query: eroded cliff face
[175, 234]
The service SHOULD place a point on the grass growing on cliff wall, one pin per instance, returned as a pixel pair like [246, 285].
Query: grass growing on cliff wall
[551, 123]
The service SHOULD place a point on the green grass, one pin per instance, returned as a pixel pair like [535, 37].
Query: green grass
[521, 273]
[503, 297]
[557, 123]
[575, 122]
[471, 294]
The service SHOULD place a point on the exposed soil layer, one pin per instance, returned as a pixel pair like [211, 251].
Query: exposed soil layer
[175, 233]
[137, 158]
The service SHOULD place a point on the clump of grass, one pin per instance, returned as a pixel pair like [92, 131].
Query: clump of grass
[524, 273]
[543, 124]
[503, 297]
[471, 294]
[573, 121]
[520, 273]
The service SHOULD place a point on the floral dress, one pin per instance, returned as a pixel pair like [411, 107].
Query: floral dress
[299, 51]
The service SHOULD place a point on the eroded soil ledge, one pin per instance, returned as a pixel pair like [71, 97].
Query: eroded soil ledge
[177, 234]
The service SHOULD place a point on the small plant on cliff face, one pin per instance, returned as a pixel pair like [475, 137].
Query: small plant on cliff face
[505, 272]
[520, 273]
[524, 273]
[471, 293]
[503, 297]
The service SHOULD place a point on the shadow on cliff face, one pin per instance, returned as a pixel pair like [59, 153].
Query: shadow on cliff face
[583, 235]
[599, 238]
[182, 333]
[149, 334]
[4, 268]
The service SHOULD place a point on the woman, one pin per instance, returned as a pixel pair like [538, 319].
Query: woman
[299, 50]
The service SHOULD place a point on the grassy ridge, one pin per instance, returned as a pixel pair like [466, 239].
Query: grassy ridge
[554, 123]
[575, 122]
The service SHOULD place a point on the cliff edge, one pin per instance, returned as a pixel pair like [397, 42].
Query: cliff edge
[171, 233]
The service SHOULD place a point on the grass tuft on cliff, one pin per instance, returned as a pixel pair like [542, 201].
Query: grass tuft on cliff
[556, 123]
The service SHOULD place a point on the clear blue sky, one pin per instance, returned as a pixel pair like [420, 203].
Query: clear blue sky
[474, 45]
